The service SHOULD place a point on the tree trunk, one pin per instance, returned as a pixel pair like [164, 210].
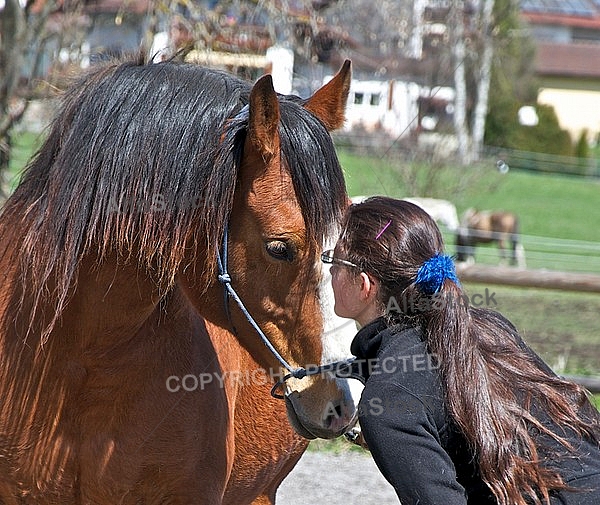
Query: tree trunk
[11, 37]
[416, 38]
[460, 100]
[483, 81]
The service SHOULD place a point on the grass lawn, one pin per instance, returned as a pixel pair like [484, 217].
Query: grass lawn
[24, 145]
[548, 205]
[558, 214]
[562, 327]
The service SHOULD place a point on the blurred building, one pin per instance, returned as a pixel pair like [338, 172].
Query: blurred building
[567, 36]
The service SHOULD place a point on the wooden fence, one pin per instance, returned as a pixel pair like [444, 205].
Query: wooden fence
[544, 279]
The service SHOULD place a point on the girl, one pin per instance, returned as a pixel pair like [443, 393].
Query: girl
[457, 408]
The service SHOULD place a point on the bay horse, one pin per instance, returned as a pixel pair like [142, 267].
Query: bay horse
[486, 226]
[127, 375]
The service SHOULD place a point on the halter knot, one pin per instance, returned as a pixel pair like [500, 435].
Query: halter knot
[299, 373]
[225, 278]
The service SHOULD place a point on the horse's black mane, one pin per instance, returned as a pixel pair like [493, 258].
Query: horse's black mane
[143, 158]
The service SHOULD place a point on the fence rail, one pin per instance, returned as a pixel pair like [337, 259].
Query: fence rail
[544, 253]
[541, 162]
[545, 279]
[592, 384]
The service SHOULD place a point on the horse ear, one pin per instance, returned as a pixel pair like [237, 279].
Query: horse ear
[264, 117]
[329, 102]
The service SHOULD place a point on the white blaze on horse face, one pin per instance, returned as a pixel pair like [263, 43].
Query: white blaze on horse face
[338, 332]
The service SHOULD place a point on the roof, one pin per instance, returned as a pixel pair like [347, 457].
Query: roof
[97, 6]
[577, 57]
[567, 60]
[575, 13]
[578, 8]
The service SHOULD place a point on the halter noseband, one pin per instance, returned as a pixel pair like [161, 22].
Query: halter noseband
[297, 373]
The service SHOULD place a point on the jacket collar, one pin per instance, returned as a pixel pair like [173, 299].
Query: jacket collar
[367, 341]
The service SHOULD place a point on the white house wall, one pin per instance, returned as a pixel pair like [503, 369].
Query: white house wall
[396, 109]
[403, 118]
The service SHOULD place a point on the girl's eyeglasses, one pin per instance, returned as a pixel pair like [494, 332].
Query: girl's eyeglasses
[330, 259]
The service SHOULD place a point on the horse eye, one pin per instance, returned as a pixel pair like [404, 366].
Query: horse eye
[281, 250]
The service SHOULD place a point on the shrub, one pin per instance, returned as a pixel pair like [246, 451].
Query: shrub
[582, 148]
[503, 130]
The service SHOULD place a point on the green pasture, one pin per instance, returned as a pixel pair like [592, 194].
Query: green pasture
[24, 145]
[548, 205]
[562, 327]
[559, 215]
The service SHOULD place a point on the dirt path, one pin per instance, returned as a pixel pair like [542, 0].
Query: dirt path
[336, 479]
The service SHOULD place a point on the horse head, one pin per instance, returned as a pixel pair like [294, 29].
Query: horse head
[274, 246]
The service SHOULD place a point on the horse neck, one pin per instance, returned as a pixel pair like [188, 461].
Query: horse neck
[42, 377]
[110, 302]
[107, 304]
[115, 341]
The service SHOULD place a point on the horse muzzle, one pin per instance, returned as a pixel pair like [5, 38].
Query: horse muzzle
[315, 414]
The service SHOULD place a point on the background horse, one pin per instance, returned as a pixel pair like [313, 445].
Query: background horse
[488, 226]
[123, 376]
[442, 211]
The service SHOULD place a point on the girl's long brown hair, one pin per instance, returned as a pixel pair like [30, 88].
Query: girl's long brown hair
[493, 383]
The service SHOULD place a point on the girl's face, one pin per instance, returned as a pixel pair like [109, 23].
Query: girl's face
[346, 291]
[354, 291]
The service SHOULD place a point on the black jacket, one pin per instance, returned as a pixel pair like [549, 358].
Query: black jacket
[412, 440]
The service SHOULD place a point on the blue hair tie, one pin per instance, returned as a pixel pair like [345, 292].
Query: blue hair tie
[432, 274]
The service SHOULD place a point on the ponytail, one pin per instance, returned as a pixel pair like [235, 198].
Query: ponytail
[490, 380]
